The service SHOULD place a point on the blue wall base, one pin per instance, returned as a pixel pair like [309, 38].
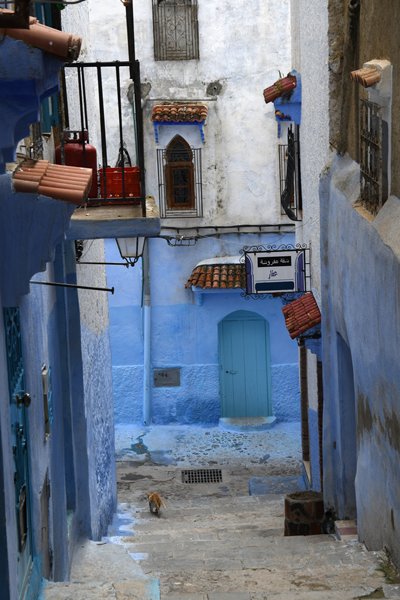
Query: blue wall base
[247, 423]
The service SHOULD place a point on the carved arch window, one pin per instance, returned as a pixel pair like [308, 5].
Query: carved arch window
[175, 30]
[179, 175]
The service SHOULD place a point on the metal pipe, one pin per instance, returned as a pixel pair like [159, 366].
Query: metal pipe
[120, 264]
[102, 118]
[146, 335]
[73, 285]
[121, 135]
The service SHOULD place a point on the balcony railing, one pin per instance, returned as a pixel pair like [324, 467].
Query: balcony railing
[102, 130]
[373, 175]
[289, 177]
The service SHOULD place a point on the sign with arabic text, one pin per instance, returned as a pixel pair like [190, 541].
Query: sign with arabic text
[275, 271]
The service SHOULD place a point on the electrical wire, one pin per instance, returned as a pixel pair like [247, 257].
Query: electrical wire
[63, 2]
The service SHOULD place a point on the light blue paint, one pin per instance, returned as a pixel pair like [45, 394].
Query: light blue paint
[127, 391]
[360, 302]
[314, 450]
[27, 76]
[23, 246]
[245, 377]
[185, 335]
[285, 392]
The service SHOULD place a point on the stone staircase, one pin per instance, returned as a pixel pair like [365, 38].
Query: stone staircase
[215, 542]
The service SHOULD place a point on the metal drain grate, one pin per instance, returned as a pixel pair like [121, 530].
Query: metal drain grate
[202, 476]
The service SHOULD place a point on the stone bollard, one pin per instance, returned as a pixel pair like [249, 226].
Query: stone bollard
[304, 513]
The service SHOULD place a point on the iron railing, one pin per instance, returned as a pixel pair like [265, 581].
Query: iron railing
[371, 172]
[165, 210]
[99, 103]
[175, 30]
[289, 177]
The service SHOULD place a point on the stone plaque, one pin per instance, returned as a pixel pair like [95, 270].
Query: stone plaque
[170, 377]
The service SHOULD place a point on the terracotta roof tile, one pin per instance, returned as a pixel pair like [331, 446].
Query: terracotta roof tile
[64, 45]
[61, 182]
[366, 76]
[301, 314]
[221, 276]
[283, 86]
[179, 113]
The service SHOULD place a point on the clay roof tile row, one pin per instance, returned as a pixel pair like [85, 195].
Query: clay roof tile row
[221, 276]
[282, 87]
[301, 315]
[60, 182]
[179, 113]
[64, 45]
[366, 76]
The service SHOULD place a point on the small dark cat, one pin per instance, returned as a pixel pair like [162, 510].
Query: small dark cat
[329, 521]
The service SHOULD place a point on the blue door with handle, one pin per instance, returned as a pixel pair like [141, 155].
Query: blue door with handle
[19, 403]
[245, 372]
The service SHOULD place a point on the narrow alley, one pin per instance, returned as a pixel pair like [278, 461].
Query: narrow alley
[219, 540]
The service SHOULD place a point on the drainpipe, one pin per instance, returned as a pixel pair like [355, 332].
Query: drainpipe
[146, 335]
[135, 76]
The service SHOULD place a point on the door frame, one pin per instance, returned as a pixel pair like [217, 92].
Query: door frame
[246, 316]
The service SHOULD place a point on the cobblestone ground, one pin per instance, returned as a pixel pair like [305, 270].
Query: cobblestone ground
[216, 541]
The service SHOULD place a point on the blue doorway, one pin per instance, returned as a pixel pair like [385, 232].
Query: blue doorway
[19, 403]
[245, 371]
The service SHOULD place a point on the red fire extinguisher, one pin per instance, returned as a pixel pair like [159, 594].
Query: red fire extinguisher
[79, 153]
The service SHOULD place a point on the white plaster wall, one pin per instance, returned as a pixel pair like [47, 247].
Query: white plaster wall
[242, 47]
[310, 58]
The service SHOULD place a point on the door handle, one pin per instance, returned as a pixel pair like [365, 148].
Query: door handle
[231, 372]
[23, 400]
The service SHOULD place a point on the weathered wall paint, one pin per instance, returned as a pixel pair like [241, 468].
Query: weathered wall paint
[310, 56]
[185, 335]
[360, 258]
[310, 49]
[97, 384]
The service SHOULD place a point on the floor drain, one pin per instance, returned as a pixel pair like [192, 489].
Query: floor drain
[202, 476]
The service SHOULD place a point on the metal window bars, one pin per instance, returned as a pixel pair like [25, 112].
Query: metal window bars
[100, 106]
[371, 156]
[289, 176]
[175, 30]
[165, 210]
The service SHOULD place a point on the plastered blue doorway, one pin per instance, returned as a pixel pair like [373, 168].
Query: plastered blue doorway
[245, 371]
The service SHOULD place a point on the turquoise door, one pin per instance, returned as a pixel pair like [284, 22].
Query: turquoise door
[245, 378]
[19, 402]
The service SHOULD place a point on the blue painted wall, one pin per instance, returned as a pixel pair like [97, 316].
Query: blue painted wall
[360, 300]
[185, 334]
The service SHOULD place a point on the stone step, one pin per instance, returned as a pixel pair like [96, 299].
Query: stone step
[109, 590]
[175, 548]
[351, 594]
[320, 582]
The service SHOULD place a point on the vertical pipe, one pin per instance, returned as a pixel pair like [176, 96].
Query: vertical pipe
[146, 335]
[102, 117]
[135, 76]
[121, 135]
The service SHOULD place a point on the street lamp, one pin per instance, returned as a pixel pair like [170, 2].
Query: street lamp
[131, 249]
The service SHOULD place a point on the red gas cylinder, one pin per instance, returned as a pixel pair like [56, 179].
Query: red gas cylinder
[78, 153]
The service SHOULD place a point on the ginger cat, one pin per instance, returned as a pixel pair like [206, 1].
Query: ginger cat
[155, 503]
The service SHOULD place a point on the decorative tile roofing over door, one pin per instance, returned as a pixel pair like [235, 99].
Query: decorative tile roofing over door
[179, 113]
[61, 182]
[301, 315]
[64, 45]
[218, 276]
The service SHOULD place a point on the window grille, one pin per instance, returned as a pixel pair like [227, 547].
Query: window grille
[179, 182]
[371, 156]
[175, 30]
[289, 176]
